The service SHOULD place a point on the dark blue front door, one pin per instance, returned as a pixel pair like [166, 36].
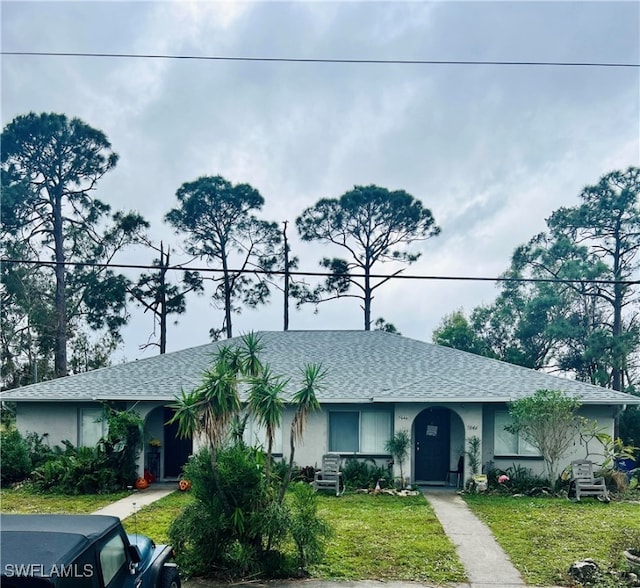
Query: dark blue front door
[432, 429]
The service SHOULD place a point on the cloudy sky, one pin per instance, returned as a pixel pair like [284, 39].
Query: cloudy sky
[491, 150]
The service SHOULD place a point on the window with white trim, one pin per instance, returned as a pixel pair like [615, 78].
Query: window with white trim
[359, 431]
[93, 426]
[507, 443]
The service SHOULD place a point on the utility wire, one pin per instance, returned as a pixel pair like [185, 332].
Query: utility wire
[322, 60]
[319, 274]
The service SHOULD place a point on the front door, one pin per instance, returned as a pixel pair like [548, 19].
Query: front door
[432, 445]
[176, 450]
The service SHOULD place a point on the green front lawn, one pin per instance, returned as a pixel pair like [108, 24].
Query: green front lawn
[376, 537]
[391, 538]
[25, 501]
[544, 536]
[154, 520]
[386, 538]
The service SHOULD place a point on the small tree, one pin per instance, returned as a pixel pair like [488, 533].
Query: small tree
[473, 454]
[398, 447]
[549, 421]
[239, 520]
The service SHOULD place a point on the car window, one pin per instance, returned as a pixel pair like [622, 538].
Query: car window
[113, 558]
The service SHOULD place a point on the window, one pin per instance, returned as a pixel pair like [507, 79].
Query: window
[255, 435]
[506, 443]
[112, 558]
[359, 431]
[92, 426]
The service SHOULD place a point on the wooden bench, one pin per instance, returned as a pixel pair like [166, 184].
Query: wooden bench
[585, 483]
[329, 476]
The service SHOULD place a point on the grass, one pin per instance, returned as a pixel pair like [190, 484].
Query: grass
[386, 538]
[544, 536]
[154, 520]
[375, 537]
[25, 501]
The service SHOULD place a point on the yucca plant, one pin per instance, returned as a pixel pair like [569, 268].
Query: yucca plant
[398, 447]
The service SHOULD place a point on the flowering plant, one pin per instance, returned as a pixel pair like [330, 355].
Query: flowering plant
[155, 442]
[503, 478]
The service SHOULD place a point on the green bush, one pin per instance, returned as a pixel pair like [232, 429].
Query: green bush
[521, 480]
[39, 451]
[308, 530]
[248, 535]
[108, 467]
[14, 456]
[76, 470]
[231, 539]
[358, 473]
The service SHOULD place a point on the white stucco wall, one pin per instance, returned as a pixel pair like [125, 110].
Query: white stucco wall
[58, 420]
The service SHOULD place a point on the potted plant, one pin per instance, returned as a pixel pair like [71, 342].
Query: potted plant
[398, 447]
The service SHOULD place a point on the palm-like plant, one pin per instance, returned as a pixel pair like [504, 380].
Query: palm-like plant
[266, 403]
[398, 446]
[209, 408]
[306, 402]
[249, 355]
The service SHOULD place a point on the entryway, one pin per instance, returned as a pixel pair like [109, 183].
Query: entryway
[432, 432]
[165, 452]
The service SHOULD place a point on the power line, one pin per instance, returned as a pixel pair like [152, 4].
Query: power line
[322, 60]
[321, 274]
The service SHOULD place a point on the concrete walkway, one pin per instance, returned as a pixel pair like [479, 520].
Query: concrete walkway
[483, 559]
[126, 506]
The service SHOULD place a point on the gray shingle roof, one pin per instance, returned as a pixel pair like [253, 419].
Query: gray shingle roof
[362, 367]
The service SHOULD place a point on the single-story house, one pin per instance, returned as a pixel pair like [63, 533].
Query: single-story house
[377, 384]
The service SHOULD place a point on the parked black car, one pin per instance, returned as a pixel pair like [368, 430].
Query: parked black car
[80, 551]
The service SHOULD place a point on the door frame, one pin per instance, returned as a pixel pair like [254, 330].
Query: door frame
[432, 470]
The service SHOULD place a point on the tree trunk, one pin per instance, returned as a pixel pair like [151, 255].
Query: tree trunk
[227, 292]
[164, 263]
[218, 481]
[618, 300]
[286, 279]
[287, 476]
[61, 295]
[367, 296]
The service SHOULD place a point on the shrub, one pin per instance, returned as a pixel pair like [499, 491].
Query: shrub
[308, 530]
[122, 444]
[358, 473]
[521, 480]
[39, 452]
[109, 467]
[231, 539]
[14, 456]
[76, 470]
[305, 474]
[245, 537]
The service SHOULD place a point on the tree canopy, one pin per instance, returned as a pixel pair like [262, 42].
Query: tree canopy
[50, 166]
[373, 225]
[578, 314]
[549, 421]
[220, 225]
